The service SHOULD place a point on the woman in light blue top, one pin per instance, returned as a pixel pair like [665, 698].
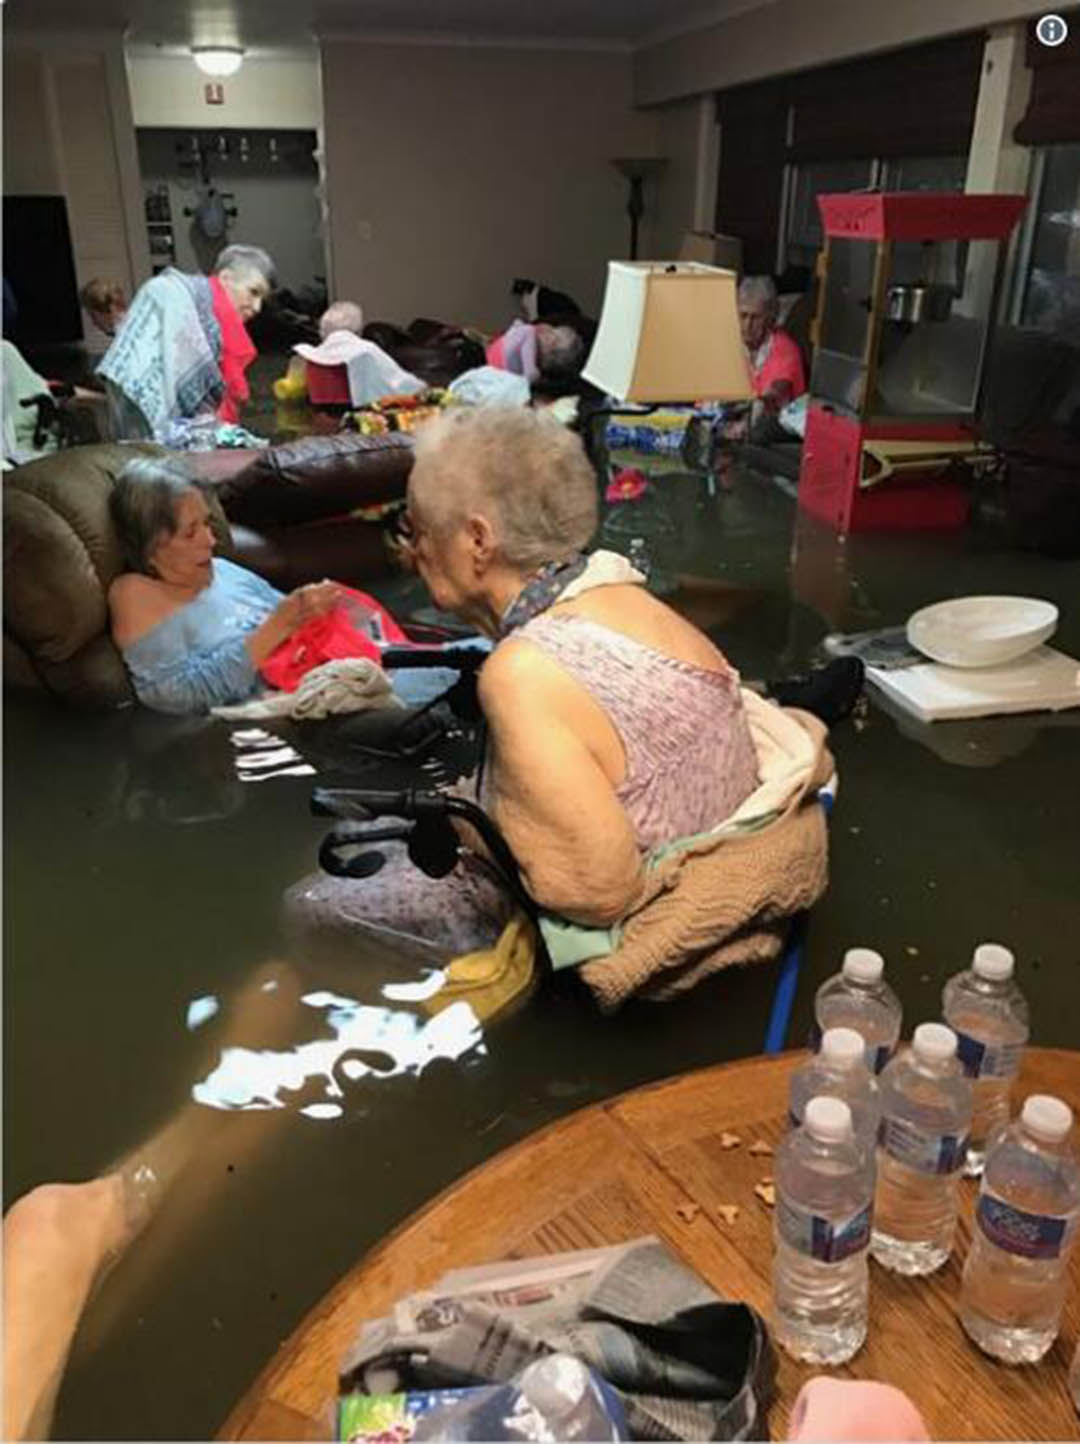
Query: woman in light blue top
[193, 629]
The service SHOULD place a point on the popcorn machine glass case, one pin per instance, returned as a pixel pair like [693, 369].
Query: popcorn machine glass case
[909, 290]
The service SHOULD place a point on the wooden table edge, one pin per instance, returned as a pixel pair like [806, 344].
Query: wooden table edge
[259, 1392]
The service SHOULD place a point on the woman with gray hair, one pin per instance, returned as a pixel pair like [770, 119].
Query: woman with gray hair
[613, 724]
[192, 629]
[178, 360]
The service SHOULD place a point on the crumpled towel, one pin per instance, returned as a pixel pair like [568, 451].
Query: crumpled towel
[351, 684]
[490, 386]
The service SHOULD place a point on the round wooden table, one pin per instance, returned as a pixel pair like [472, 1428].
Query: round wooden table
[656, 1161]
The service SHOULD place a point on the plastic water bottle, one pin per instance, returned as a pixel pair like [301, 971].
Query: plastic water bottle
[859, 997]
[839, 1070]
[567, 1397]
[824, 1197]
[989, 1016]
[1026, 1221]
[925, 1118]
[556, 1397]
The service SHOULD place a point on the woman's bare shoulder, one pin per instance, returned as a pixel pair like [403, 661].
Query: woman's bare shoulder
[136, 604]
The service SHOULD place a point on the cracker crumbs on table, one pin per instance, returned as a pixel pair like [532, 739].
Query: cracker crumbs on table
[760, 1149]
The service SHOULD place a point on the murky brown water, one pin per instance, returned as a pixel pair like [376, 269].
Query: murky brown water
[141, 875]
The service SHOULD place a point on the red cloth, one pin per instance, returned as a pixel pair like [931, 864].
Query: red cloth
[783, 363]
[327, 639]
[237, 353]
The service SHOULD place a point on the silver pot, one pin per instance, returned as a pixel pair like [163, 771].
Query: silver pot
[918, 303]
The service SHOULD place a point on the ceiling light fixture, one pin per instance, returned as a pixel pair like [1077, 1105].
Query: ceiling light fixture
[218, 60]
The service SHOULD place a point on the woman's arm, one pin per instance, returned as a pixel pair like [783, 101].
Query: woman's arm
[199, 679]
[557, 808]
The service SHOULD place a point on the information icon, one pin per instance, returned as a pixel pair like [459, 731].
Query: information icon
[1052, 30]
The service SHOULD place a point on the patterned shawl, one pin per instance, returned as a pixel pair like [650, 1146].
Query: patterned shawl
[165, 357]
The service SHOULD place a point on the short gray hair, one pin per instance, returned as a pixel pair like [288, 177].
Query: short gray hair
[525, 470]
[245, 261]
[560, 356]
[341, 316]
[143, 505]
[760, 289]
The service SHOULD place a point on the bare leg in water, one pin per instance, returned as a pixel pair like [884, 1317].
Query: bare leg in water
[61, 1239]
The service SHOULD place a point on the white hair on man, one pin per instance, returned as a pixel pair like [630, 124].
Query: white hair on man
[760, 293]
[245, 263]
[520, 468]
[341, 316]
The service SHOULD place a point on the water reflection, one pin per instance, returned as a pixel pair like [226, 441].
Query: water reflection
[367, 1042]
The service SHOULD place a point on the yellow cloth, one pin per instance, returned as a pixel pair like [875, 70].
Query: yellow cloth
[491, 979]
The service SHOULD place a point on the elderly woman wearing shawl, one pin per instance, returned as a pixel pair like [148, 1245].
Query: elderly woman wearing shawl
[181, 352]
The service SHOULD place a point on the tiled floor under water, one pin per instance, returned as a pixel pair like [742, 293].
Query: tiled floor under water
[143, 875]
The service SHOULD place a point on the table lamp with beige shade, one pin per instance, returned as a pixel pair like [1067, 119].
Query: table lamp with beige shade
[668, 333]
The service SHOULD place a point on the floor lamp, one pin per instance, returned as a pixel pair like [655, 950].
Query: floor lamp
[637, 170]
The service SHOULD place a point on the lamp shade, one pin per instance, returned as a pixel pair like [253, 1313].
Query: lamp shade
[669, 332]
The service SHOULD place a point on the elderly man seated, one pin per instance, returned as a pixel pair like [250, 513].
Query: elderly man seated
[178, 360]
[775, 360]
[776, 368]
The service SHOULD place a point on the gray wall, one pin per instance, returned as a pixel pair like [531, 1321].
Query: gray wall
[453, 169]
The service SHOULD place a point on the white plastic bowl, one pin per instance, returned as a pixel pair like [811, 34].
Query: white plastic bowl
[982, 631]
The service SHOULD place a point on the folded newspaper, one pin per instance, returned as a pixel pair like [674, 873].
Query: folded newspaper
[685, 1363]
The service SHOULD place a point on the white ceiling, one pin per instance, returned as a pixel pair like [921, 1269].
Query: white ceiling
[285, 22]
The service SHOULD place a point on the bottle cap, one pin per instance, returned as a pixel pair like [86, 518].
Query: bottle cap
[828, 1119]
[1047, 1118]
[934, 1042]
[863, 965]
[842, 1046]
[993, 962]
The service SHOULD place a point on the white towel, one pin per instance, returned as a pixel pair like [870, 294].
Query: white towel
[352, 684]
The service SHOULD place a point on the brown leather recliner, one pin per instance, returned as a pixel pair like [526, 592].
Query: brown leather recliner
[284, 512]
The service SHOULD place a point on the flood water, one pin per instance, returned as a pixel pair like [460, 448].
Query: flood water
[143, 875]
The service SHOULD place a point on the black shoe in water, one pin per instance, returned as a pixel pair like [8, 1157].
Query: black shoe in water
[829, 693]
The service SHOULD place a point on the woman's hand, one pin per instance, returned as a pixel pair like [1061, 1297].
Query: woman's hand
[306, 603]
[291, 613]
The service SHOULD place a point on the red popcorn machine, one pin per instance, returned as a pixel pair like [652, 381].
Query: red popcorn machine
[905, 319]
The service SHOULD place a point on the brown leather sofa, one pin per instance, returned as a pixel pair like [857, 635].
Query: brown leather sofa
[286, 512]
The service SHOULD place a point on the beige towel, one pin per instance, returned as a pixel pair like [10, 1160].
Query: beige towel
[728, 897]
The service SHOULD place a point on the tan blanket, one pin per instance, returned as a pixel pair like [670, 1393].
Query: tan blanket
[727, 898]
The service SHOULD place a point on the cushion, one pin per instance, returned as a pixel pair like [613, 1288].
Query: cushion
[317, 477]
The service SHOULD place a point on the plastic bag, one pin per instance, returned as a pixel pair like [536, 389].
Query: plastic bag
[358, 627]
[555, 1398]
